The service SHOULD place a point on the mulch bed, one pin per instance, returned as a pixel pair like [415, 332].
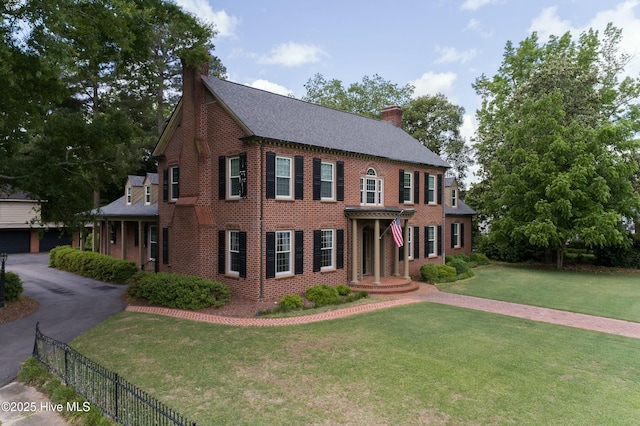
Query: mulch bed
[21, 308]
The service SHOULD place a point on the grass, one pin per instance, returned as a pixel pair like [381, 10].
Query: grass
[607, 294]
[417, 364]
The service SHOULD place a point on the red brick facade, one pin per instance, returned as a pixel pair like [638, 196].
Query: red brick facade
[197, 226]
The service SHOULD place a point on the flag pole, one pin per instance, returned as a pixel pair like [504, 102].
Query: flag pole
[389, 226]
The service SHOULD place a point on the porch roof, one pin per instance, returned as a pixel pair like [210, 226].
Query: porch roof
[359, 212]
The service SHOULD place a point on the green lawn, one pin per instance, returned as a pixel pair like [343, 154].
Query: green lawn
[607, 294]
[416, 364]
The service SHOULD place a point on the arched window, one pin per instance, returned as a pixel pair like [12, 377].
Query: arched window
[371, 189]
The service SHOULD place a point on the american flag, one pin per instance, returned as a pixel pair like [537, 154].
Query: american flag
[396, 231]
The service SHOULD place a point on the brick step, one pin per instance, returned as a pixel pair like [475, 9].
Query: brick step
[399, 288]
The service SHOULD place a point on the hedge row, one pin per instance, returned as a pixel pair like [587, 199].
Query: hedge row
[92, 265]
[457, 267]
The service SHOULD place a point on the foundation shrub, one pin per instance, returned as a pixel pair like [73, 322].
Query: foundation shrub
[322, 294]
[291, 302]
[343, 290]
[12, 287]
[479, 258]
[436, 273]
[459, 264]
[179, 291]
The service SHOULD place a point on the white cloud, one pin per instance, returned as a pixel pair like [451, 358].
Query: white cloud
[451, 54]
[225, 24]
[476, 4]
[468, 128]
[293, 54]
[474, 25]
[431, 83]
[271, 87]
[549, 23]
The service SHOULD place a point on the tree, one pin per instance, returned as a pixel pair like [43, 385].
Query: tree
[436, 122]
[368, 98]
[556, 143]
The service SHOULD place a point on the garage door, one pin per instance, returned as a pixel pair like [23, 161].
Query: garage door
[15, 241]
[52, 238]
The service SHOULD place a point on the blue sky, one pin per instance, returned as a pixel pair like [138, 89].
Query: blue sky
[436, 45]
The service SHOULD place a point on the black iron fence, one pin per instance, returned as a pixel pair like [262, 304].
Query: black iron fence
[115, 396]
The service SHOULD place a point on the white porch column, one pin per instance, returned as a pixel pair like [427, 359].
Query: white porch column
[354, 251]
[406, 249]
[396, 260]
[376, 252]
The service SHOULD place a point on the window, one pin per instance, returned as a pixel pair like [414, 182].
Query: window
[454, 198]
[326, 181]
[371, 189]
[234, 177]
[431, 190]
[174, 175]
[326, 249]
[408, 188]
[410, 243]
[283, 177]
[455, 235]
[153, 243]
[147, 194]
[431, 241]
[128, 195]
[283, 252]
[234, 252]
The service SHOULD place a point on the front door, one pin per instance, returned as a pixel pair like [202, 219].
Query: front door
[367, 250]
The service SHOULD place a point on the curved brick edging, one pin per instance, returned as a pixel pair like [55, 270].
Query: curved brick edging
[270, 322]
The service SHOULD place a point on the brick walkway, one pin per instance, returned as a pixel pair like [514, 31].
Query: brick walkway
[425, 293]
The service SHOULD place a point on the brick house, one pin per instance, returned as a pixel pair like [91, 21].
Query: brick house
[272, 195]
[127, 228]
[458, 223]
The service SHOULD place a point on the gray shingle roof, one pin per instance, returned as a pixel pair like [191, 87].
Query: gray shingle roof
[462, 209]
[119, 208]
[278, 117]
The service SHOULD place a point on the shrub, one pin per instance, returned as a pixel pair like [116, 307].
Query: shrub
[356, 296]
[462, 256]
[435, 273]
[479, 258]
[92, 265]
[322, 294]
[12, 287]
[343, 290]
[179, 291]
[291, 302]
[460, 265]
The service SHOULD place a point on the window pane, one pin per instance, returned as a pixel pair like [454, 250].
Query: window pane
[234, 167]
[283, 251]
[326, 252]
[282, 187]
[283, 167]
[326, 171]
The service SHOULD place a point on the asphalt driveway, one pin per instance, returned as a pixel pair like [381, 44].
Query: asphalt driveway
[69, 305]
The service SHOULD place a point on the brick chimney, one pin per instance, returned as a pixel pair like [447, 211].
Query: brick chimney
[393, 114]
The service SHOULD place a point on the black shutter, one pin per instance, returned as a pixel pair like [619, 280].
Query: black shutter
[416, 242]
[401, 186]
[426, 241]
[317, 248]
[340, 181]
[271, 254]
[426, 188]
[243, 175]
[222, 177]
[299, 259]
[317, 184]
[299, 173]
[177, 191]
[453, 243]
[439, 189]
[439, 240]
[271, 177]
[222, 249]
[242, 255]
[165, 246]
[416, 187]
[462, 235]
[340, 249]
[165, 185]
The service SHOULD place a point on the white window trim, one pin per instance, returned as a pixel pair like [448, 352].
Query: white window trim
[378, 191]
[173, 183]
[410, 188]
[147, 195]
[153, 240]
[129, 195]
[230, 177]
[456, 233]
[332, 181]
[290, 254]
[229, 251]
[454, 198]
[434, 191]
[410, 243]
[332, 266]
[435, 241]
[290, 195]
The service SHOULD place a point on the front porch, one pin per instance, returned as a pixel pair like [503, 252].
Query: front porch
[387, 285]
